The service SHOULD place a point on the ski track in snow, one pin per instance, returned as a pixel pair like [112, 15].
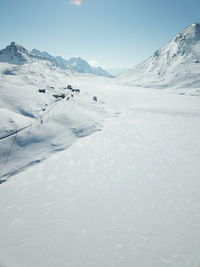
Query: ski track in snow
[127, 195]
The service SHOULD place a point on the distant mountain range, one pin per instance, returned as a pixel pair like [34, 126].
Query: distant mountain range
[17, 54]
[74, 64]
[176, 64]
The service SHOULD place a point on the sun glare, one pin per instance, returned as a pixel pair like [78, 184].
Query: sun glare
[76, 2]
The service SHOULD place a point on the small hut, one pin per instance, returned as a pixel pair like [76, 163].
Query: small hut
[42, 91]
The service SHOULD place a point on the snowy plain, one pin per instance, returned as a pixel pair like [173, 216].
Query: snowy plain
[125, 195]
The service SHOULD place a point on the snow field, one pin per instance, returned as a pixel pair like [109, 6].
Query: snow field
[124, 196]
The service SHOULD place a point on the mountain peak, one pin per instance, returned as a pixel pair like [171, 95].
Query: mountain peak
[14, 54]
[14, 47]
[13, 44]
[193, 28]
[190, 33]
[196, 24]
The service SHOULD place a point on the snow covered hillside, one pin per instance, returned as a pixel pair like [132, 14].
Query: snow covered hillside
[73, 64]
[177, 64]
[46, 121]
[126, 196]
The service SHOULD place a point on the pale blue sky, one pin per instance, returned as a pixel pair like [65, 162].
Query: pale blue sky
[115, 33]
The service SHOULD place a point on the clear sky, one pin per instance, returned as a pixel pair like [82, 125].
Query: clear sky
[115, 33]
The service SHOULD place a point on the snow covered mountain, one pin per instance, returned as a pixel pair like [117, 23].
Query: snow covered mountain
[176, 64]
[15, 54]
[74, 64]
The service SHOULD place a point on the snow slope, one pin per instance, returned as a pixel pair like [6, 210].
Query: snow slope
[177, 64]
[43, 123]
[127, 195]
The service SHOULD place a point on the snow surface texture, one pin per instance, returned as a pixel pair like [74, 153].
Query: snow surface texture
[126, 196]
[123, 190]
[176, 65]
